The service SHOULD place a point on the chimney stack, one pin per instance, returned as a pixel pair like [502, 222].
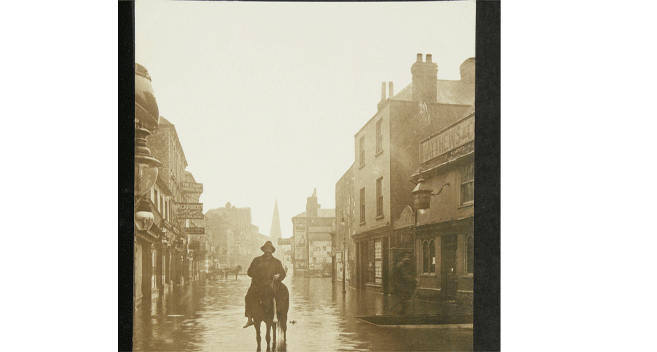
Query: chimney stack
[390, 90]
[425, 80]
[383, 91]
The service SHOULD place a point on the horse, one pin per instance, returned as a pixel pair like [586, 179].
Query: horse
[236, 270]
[278, 298]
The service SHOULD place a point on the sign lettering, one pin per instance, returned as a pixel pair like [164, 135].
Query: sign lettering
[189, 210]
[195, 230]
[454, 137]
[191, 187]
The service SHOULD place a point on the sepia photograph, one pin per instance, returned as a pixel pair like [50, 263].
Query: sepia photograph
[304, 176]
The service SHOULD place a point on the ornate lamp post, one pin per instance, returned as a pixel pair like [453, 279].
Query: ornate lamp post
[344, 260]
[146, 167]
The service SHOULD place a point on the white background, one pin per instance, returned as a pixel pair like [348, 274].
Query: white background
[577, 191]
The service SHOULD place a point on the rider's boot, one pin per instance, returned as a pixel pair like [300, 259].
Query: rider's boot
[248, 323]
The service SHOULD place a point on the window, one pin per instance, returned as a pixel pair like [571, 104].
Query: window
[155, 198]
[428, 257]
[370, 261]
[469, 255]
[362, 205]
[379, 137]
[362, 150]
[467, 183]
[378, 262]
[379, 197]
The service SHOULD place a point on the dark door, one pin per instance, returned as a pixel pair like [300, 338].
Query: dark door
[449, 280]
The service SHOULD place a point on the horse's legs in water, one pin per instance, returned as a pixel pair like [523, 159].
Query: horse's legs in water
[268, 336]
[257, 328]
[273, 329]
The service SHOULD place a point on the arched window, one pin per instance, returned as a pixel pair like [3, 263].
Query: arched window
[469, 254]
[425, 256]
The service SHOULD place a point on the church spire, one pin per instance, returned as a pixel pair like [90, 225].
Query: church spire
[275, 232]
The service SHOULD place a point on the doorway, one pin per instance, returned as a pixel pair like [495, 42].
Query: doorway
[449, 278]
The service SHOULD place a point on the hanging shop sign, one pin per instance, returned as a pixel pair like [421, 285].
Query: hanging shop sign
[191, 187]
[189, 210]
[195, 230]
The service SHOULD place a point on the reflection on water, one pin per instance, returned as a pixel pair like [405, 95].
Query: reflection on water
[208, 316]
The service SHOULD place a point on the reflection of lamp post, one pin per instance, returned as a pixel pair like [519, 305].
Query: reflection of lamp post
[344, 260]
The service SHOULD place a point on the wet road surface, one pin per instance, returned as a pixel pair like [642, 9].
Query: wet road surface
[209, 315]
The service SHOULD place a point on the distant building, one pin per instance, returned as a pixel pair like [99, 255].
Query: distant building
[312, 243]
[232, 234]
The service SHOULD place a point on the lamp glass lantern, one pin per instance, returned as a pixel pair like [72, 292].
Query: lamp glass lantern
[422, 195]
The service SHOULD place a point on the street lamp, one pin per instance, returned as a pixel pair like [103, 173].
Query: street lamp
[422, 200]
[146, 167]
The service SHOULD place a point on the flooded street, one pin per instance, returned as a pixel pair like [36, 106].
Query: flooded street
[209, 315]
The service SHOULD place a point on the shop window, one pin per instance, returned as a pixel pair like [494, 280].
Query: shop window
[467, 184]
[379, 197]
[370, 261]
[378, 262]
[469, 254]
[428, 257]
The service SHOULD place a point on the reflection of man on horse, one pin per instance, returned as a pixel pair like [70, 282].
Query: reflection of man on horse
[264, 271]
[405, 281]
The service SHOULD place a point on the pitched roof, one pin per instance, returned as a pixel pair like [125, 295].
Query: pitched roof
[448, 92]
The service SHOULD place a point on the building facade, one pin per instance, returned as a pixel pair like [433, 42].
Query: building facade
[312, 241]
[235, 239]
[445, 231]
[174, 246]
[387, 154]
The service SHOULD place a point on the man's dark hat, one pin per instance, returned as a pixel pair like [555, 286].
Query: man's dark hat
[268, 245]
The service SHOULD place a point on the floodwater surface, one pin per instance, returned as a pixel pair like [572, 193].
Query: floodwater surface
[208, 316]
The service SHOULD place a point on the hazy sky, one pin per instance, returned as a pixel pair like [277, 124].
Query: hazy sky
[266, 97]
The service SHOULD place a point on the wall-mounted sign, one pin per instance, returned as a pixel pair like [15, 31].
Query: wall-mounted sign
[191, 187]
[284, 241]
[451, 138]
[195, 230]
[300, 239]
[189, 210]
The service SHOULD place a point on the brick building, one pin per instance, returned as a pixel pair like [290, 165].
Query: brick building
[386, 155]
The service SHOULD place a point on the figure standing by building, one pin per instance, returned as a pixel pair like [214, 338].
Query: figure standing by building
[405, 281]
[264, 270]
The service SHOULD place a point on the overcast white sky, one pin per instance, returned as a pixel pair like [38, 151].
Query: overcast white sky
[266, 97]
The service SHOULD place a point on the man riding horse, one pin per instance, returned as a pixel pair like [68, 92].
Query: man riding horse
[264, 270]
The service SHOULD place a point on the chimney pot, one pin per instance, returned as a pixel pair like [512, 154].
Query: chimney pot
[419, 57]
[428, 57]
[390, 90]
[383, 90]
